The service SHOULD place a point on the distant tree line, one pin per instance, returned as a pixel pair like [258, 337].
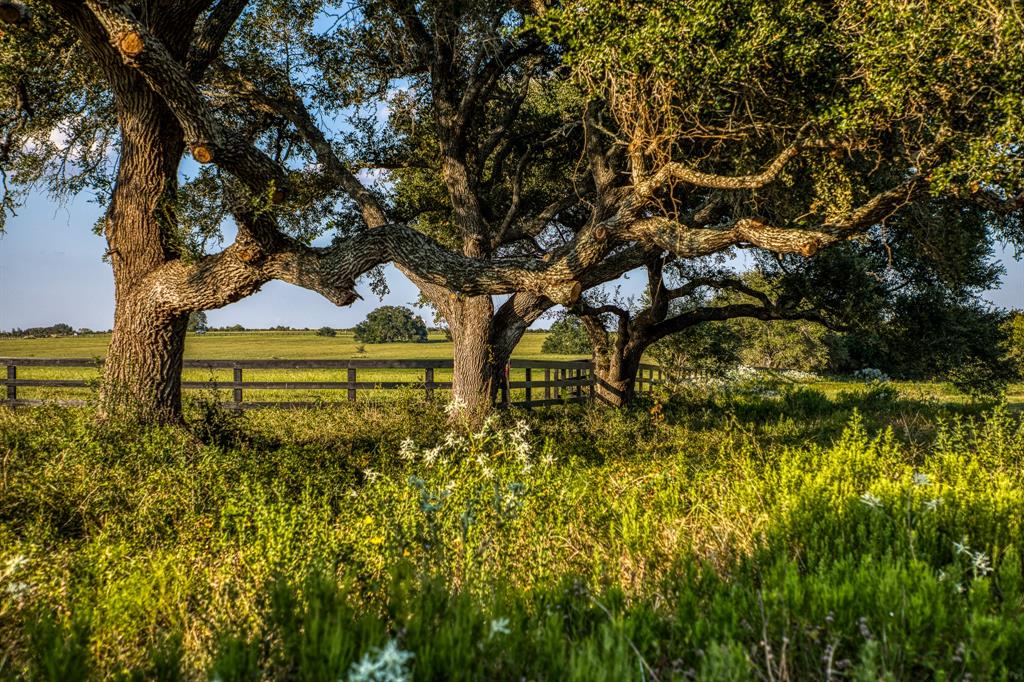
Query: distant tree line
[59, 329]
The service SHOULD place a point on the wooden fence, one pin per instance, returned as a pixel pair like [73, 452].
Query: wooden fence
[545, 382]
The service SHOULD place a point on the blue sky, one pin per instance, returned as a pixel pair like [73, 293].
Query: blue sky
[51, 270]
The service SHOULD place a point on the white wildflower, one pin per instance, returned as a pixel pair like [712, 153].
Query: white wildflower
[871, 500]
[521, 449]
[407, 451]
[454, 442]
[548, 459]
[456, 407]
[521, 429]
[14, 564]
[370, 475]
[430, 456]
[499, 626]
[18, 590]
[387, 664]
[481, 460]
[980, 563]
[921, 479]
[487, 426]
[932, 505]
[961, 547]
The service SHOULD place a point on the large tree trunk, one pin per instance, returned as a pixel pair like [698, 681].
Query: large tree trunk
[142, 375]
[616, 372]
[484, 341]
[477, 375]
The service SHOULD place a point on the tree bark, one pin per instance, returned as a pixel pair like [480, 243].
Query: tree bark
[476, 376]
[616, 373]
[142, 374]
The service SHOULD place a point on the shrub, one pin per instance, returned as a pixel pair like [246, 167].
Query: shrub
[707, 350]
[391, 324]
[326, 331]
[979, 379]
[567, 336]
[197, 321]
[1013, 330]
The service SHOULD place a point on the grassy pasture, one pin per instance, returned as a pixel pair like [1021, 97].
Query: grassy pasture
[306, 345]
[264, 345]
[784, 533]
[260, 346]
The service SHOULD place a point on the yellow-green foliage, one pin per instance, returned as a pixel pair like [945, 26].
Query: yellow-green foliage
[793, 536]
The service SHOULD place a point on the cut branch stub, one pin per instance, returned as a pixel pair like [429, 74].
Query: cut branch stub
[249, 253]
[14, 13]
[202, 153]
[131, 44]
[601, 233]
[575, 291]
[810, 247]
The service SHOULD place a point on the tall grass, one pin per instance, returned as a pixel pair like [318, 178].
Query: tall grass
[789, 536]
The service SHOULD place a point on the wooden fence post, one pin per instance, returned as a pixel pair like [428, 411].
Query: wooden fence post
[547, 383]
[351, 384]
[238, 387]
[12, 388]
[529, 387]
[428, 381]
[506, 376]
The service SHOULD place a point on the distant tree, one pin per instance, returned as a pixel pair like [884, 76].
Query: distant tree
[708, 349]
[926, 336]
[567, 336]
[235, 328]
[1013, 342]
[391, 324]
[326, 331]
[197, 321]
[783, 344]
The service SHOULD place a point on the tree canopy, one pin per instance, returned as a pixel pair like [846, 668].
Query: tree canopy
[532, 150]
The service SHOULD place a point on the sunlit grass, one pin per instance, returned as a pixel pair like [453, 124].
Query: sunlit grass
[782, 533]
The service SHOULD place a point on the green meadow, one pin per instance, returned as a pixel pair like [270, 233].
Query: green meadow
[771, 529]
[262, 345]
[774, 532]
[265, 345]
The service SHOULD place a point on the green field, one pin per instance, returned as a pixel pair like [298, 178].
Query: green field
[260, 346]
[263, 345]
[307, 345]
[773, 530]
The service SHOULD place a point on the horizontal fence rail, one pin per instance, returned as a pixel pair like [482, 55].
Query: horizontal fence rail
[544, 382]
